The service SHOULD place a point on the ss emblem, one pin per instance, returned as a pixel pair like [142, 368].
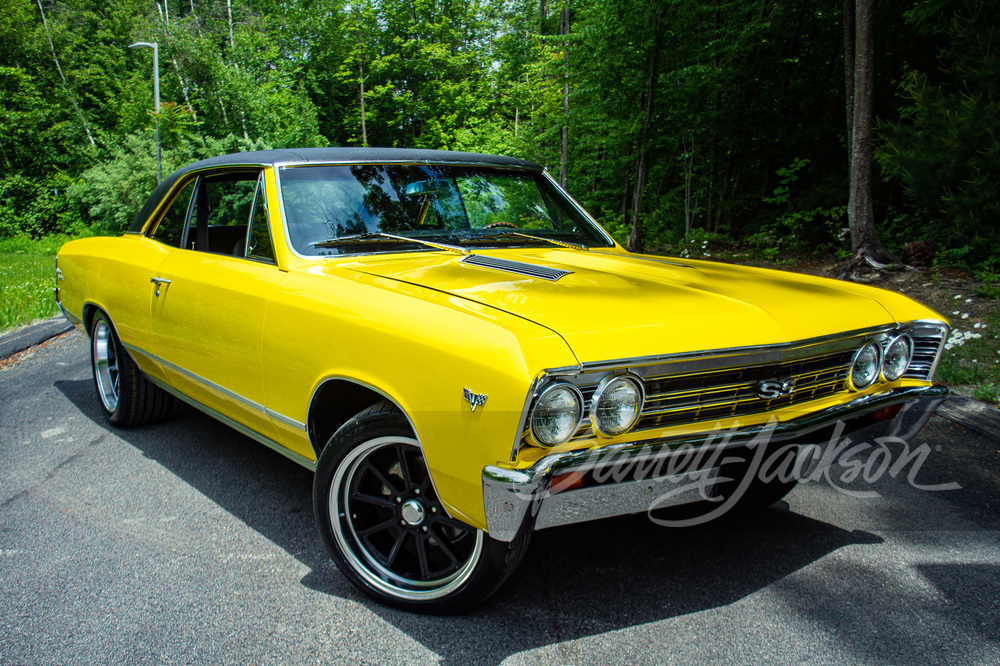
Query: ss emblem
[767, 389]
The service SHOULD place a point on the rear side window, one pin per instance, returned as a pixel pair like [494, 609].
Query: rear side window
[170, 229]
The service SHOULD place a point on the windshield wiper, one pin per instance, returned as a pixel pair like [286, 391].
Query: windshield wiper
[517, 234]
[383, 238]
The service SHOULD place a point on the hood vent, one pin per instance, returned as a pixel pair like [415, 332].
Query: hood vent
[531, 270]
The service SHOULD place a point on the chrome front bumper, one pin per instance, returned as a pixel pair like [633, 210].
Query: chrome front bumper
[628, 478]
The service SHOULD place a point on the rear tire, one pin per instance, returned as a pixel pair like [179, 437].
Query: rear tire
[125, 395]
[386, 529]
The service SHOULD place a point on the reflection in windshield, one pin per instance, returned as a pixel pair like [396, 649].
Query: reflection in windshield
[443, 203]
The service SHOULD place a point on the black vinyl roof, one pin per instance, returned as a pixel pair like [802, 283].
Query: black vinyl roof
[324, 156]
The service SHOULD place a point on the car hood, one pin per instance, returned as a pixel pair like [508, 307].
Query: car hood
[612, 305]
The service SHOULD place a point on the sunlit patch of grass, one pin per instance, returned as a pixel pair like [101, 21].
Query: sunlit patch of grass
[26, 283]
[28, 276]
[972, 355]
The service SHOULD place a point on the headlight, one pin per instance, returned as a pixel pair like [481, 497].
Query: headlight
[616, 405]
[865, 367]
[557, 414]
[897, 358]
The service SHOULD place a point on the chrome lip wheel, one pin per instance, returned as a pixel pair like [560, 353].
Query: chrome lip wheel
[392, 529]
[106, 365]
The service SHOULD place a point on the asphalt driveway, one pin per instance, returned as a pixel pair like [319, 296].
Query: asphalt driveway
[185, 542]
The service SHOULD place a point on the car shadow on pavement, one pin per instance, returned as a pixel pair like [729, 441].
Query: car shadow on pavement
[575, 581]
[583, 580]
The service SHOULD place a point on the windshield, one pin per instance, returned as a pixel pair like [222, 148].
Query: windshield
[342, 209]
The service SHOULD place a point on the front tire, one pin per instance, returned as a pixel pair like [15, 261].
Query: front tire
[386, 529]
[125, 395]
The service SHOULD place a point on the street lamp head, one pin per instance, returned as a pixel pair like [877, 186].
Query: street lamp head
[151, 45]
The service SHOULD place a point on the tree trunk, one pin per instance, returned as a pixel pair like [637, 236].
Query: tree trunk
[861, 219]
[62, 77]
[635, 239]
[361, 81]
[849, 70]
[564, 133]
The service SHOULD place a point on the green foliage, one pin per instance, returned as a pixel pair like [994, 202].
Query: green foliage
[737, 106]
[971, 355]
[944, 149]
[989, 281]
[110, 194]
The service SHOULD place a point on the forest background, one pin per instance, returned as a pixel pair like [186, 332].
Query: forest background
[684, 124]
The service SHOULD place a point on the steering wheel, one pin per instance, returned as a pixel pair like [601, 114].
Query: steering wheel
[493, 225]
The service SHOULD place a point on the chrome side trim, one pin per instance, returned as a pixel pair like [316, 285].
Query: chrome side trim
[298, 425]
[73, 319]
[220, 389]
[252, 434]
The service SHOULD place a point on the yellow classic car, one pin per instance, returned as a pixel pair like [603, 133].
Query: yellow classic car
[463, 355]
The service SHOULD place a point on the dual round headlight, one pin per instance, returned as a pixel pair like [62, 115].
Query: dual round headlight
[870, 361]
[614, 409]
[557, 414]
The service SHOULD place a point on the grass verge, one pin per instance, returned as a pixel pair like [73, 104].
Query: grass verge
[27, 277]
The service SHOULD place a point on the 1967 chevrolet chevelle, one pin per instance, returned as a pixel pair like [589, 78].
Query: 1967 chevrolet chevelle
[464, 356]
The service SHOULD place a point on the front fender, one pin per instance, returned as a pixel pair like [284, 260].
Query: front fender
[420, 348]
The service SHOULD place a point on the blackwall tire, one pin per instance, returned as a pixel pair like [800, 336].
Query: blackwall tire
[386, 529]
[126, 397]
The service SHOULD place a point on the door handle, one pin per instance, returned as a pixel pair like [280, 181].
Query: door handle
[159, 282]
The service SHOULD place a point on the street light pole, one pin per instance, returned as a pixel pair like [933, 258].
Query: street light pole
[156, 96]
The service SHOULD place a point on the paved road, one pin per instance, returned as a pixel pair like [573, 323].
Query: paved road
[185, 542]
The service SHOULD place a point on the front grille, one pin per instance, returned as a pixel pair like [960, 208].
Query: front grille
[927, 340]
[699, 388]
[672, 399]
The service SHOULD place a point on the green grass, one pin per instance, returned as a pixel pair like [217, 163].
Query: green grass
[27, 277]
[26, 283]
[972, 356]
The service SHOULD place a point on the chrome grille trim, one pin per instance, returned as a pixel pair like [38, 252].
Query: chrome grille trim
[521, 268]
[928, 342]
[718, 384]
